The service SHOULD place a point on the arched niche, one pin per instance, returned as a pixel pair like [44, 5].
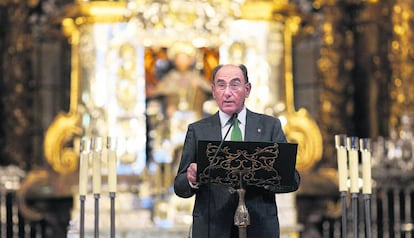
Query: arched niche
[116, 45]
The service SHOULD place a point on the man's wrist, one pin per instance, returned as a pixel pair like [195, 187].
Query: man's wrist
[194, 186]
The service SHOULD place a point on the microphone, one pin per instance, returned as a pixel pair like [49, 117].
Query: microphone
[232, 118]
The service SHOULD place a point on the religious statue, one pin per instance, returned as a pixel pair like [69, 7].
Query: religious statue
[183, 87]
[180, 94]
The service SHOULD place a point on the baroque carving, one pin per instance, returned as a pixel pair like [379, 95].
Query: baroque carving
[300, 126]
[58, 144]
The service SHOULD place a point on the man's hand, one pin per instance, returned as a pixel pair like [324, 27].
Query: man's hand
[192, 174]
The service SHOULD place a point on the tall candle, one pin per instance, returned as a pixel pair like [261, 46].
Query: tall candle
[96, 147]
[365, 146]
[340, 143]
[112, 176]
[83, 168]
[352, 146]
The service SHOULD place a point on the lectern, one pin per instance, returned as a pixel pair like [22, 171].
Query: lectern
[239, 165]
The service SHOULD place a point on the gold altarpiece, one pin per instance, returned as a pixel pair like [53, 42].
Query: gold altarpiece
[116, 45]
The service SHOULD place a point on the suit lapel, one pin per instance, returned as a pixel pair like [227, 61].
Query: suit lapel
[253, 127]
[214, 129]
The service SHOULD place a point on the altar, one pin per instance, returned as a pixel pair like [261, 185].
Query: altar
[168, 217]
[146, 233]
[120, 55]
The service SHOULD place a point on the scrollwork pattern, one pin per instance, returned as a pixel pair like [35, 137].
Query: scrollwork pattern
[241, 167]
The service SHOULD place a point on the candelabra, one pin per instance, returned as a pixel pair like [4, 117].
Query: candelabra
[91, 152]
[348, 151]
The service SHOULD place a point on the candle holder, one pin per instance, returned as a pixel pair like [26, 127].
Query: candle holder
[112, 175]
[348, 149]
[83, 183]
[365, 147]
[3, 217]
[91, 151]
[340, 144]
[353, 147]
[96, 148]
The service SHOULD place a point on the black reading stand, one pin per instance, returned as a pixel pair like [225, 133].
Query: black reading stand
[239, 165]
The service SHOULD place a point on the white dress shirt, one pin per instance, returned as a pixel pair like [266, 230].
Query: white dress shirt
[224, 121]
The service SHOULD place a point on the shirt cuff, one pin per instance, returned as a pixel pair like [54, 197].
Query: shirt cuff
[193, 186]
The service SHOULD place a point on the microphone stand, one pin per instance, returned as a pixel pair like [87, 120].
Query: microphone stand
[212, 160]
[242, 217]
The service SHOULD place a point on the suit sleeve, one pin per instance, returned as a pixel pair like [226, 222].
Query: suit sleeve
[182, 187]
[279, 136]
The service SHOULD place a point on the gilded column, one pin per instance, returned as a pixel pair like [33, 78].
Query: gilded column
[335, 65]
[16, 85]
[401, 58]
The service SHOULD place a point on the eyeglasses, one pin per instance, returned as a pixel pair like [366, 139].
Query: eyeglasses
[234, 86]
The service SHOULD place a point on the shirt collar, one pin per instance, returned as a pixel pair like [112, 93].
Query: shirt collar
[224, 118]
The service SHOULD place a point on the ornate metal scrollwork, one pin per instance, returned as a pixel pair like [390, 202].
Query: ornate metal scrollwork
[242, 165]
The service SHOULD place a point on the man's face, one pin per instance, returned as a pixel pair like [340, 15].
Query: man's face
[230, 89]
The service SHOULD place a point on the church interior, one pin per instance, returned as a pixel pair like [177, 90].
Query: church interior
[122, 80]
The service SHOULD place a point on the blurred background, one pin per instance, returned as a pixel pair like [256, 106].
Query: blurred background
[139, 71]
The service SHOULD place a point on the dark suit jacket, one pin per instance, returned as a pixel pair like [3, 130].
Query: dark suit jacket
[213, 214]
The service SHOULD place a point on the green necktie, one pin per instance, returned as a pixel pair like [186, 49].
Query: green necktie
[236, 132]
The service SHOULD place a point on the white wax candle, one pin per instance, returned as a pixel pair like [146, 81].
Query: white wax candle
[96, 166]
[83, 172]
[112, 176]
[366, 172]
[342, 169]
[353, 170]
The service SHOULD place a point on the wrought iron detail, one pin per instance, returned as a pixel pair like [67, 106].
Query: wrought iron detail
[242, 166]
